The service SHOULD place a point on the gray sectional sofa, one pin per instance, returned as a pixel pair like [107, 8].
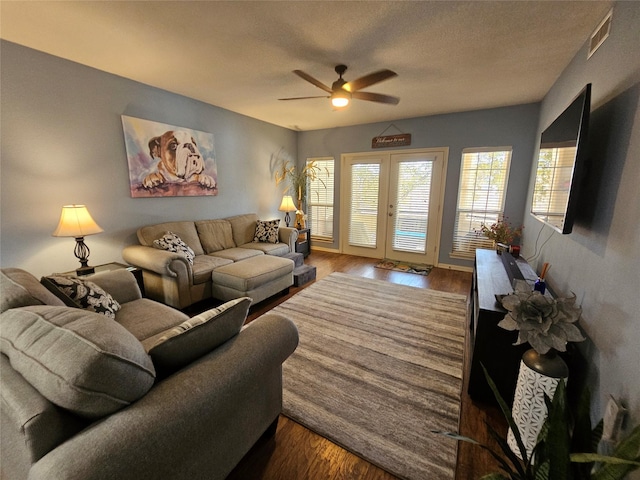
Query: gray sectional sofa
[226, 245]
[148, 394]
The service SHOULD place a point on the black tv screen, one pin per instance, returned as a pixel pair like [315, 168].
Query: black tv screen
[561, 165]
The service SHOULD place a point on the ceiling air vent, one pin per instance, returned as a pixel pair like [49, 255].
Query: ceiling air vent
[600, 35]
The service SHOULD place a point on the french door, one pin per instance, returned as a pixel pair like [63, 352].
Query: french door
[391, 204]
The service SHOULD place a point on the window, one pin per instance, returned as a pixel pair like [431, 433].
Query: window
[320, 200]
[481, 196]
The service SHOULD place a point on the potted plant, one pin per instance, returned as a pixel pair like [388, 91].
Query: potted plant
[298, 179]
[501, 232]
[566, 447]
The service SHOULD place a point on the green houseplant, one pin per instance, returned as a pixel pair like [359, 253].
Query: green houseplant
[501, 231]
[566, 448]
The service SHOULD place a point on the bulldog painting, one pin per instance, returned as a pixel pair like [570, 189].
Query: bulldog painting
[165, 160]
[179, 160]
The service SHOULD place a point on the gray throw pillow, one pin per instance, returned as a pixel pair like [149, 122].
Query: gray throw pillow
[79, 293]
[77, 359]
[267, 231]
[178, 346]
[13, 294]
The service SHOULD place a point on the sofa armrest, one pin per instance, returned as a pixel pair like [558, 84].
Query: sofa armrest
[120, 284]
[288, 235]
[31, 425]
[197, 423]
[155, 260]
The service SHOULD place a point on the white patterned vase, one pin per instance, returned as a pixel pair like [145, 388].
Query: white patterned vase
[538, 375]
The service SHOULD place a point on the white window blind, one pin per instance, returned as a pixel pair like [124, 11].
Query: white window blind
[365, 185]
[320, 199]
[412, 208]
[481, 195]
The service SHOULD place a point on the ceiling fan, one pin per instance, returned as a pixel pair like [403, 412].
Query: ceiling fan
[341, 91]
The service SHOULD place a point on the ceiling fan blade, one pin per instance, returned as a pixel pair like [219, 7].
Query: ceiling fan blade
[304, 98]
[368, 80]
[310, 79]
[376, 97]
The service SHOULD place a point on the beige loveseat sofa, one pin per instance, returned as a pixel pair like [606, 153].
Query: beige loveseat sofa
[150, 394]
[171, 279]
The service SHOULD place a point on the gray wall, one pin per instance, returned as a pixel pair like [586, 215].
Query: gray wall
[600, 259]
[62, 143]
[499, 127]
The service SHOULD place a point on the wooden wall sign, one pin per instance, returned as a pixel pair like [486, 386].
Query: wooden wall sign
[387, 141]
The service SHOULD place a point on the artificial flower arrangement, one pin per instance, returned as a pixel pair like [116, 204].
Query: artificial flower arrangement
[501, 231]
[543, 321]
[298, 178]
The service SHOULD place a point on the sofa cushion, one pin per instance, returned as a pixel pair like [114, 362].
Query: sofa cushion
[203, 265]
[266, 231]
[181, 345]
[277, 249]
[185, 230]
[145, 318]
[173, 243]
[215, 235]
[243, 227]
[80, 293]
[237, 254]
[16, 276]
[14, 295]
[78, 360]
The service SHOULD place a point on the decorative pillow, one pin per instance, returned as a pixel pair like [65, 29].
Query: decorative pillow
[267, 231]
[180, 345]
[173, 243]
[76, 359]
[13, 294]
[79, 293]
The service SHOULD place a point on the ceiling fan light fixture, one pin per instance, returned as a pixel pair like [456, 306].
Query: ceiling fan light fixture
[340, 99]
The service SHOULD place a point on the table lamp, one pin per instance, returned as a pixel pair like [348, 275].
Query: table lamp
[75, 221]
[287, 206]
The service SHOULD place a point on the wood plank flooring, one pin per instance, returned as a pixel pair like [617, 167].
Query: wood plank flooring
[296, 453]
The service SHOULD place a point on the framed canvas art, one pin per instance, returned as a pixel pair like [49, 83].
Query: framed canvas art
[169, 161]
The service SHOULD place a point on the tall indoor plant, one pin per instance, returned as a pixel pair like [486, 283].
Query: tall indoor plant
[566, 448]
[501, 231]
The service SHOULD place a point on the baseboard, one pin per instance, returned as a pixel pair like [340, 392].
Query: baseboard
[324, 249]
[460, 268]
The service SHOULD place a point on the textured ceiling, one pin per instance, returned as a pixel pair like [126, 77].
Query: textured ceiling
[450, 56]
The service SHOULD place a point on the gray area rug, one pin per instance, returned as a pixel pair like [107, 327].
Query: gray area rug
[379, 365]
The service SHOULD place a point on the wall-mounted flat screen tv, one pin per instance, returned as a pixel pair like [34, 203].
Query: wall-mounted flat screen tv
[562, 161]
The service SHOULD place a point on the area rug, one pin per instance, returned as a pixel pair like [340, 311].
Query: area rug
[405, 267]
[379, 365]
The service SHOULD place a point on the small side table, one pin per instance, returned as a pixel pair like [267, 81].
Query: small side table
[303, 243]
[107, 267]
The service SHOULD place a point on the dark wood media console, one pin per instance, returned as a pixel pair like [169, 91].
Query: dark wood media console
[488, 344]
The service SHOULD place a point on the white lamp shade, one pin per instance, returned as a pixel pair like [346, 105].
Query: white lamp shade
[287, 204]
[75, 221]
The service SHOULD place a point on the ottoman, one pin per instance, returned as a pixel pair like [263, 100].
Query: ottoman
[256, 277]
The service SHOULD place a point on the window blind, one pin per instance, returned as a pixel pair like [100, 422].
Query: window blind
[481, 196]
[365, 185]
[320, 199]
[412, 206]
